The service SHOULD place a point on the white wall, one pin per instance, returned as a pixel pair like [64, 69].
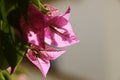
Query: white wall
[97, 25]
[113, 38]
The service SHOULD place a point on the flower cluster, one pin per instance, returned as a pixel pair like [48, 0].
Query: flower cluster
[46, 32]
[42, 28]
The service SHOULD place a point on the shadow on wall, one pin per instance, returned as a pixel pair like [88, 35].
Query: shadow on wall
[34, 74]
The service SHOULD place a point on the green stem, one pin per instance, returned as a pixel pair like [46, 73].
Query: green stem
[39, 2]
[0, 24]
[40, 6]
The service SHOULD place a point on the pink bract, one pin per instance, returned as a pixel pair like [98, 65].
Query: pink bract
[59, 32]
[41, 57]
[35, 24]
[49, 28]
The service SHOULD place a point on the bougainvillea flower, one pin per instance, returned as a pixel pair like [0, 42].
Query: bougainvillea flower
[41, 57]
[35, 23]
[59, 31]
[50, 28]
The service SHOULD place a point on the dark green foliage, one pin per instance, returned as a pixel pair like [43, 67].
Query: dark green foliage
[11, 52]
[1, 76]
[14, 17]
[13, 49]
[5, 75]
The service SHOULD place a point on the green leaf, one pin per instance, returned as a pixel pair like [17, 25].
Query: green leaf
[0, 14]
[14, 15]
[9, 3]
[3, 62]
[12, 33]
[6, 75]
[8, 50]
[13, 18]
[2, 10]
[5, 7]
[23, 6]
[12, 52]
[1, 76]
[12, 49]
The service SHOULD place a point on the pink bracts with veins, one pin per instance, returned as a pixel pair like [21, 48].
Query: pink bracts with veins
[59, 31]
[35, 24]
[49, 28]
[41, 57]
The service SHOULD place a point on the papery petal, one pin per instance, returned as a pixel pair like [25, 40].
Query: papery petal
[37, 22]
[30, 55]
[36, 38]
[62, 36]
[60, 33]
[32, 38]
[24, 27]
[52, 55]
[61, 20]
[66, 15]
[40, 36]
[36, 17]
[68, 38]
[58, 21]
[42, 65]
[33, 29]
[49, 36]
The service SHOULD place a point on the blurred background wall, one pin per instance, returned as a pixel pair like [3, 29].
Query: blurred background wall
[97, 24]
